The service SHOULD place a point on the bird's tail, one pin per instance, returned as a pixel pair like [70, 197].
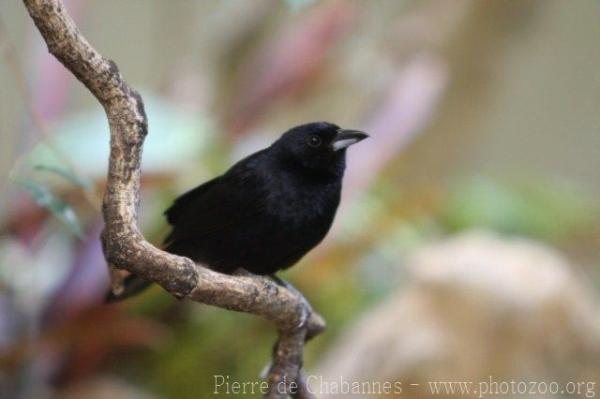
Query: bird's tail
[132, 285]
[135, 284]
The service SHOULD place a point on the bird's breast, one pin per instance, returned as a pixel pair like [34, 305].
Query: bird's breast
[303, 205]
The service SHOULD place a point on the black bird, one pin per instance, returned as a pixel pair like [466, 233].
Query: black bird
[267, 211]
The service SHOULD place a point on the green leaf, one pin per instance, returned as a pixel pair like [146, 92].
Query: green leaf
[60, 209]
[66, 174]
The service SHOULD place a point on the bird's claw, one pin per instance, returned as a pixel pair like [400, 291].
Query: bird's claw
[305, 314]
[264, 373]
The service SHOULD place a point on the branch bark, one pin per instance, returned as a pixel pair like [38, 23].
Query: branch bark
[124, 245]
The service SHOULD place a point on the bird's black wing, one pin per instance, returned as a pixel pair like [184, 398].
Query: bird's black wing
[217, 206]
[177, 211]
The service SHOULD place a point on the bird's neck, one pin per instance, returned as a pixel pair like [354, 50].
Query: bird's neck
[329, 170]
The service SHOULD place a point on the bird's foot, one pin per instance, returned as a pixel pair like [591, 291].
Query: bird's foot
[264, 373]
[306, 308]
[306, 311]
[242, 272]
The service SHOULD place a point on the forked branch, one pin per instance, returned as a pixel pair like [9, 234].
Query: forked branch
[124, 245]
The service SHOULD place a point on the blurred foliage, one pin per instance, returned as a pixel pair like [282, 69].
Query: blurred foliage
[66, 174]
[535, 208]
[429, 80]
[178, 137]
[46, 199]
[296, 5]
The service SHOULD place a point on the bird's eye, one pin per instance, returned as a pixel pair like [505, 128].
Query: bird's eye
[314, 141]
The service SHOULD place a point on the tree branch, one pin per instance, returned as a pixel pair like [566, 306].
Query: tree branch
[124, 245]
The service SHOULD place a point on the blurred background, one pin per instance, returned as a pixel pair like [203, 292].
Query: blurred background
[467, 244]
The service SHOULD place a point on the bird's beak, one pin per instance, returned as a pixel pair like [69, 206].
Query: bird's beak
[345, 138]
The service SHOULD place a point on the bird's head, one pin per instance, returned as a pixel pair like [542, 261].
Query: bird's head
[318, 147]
